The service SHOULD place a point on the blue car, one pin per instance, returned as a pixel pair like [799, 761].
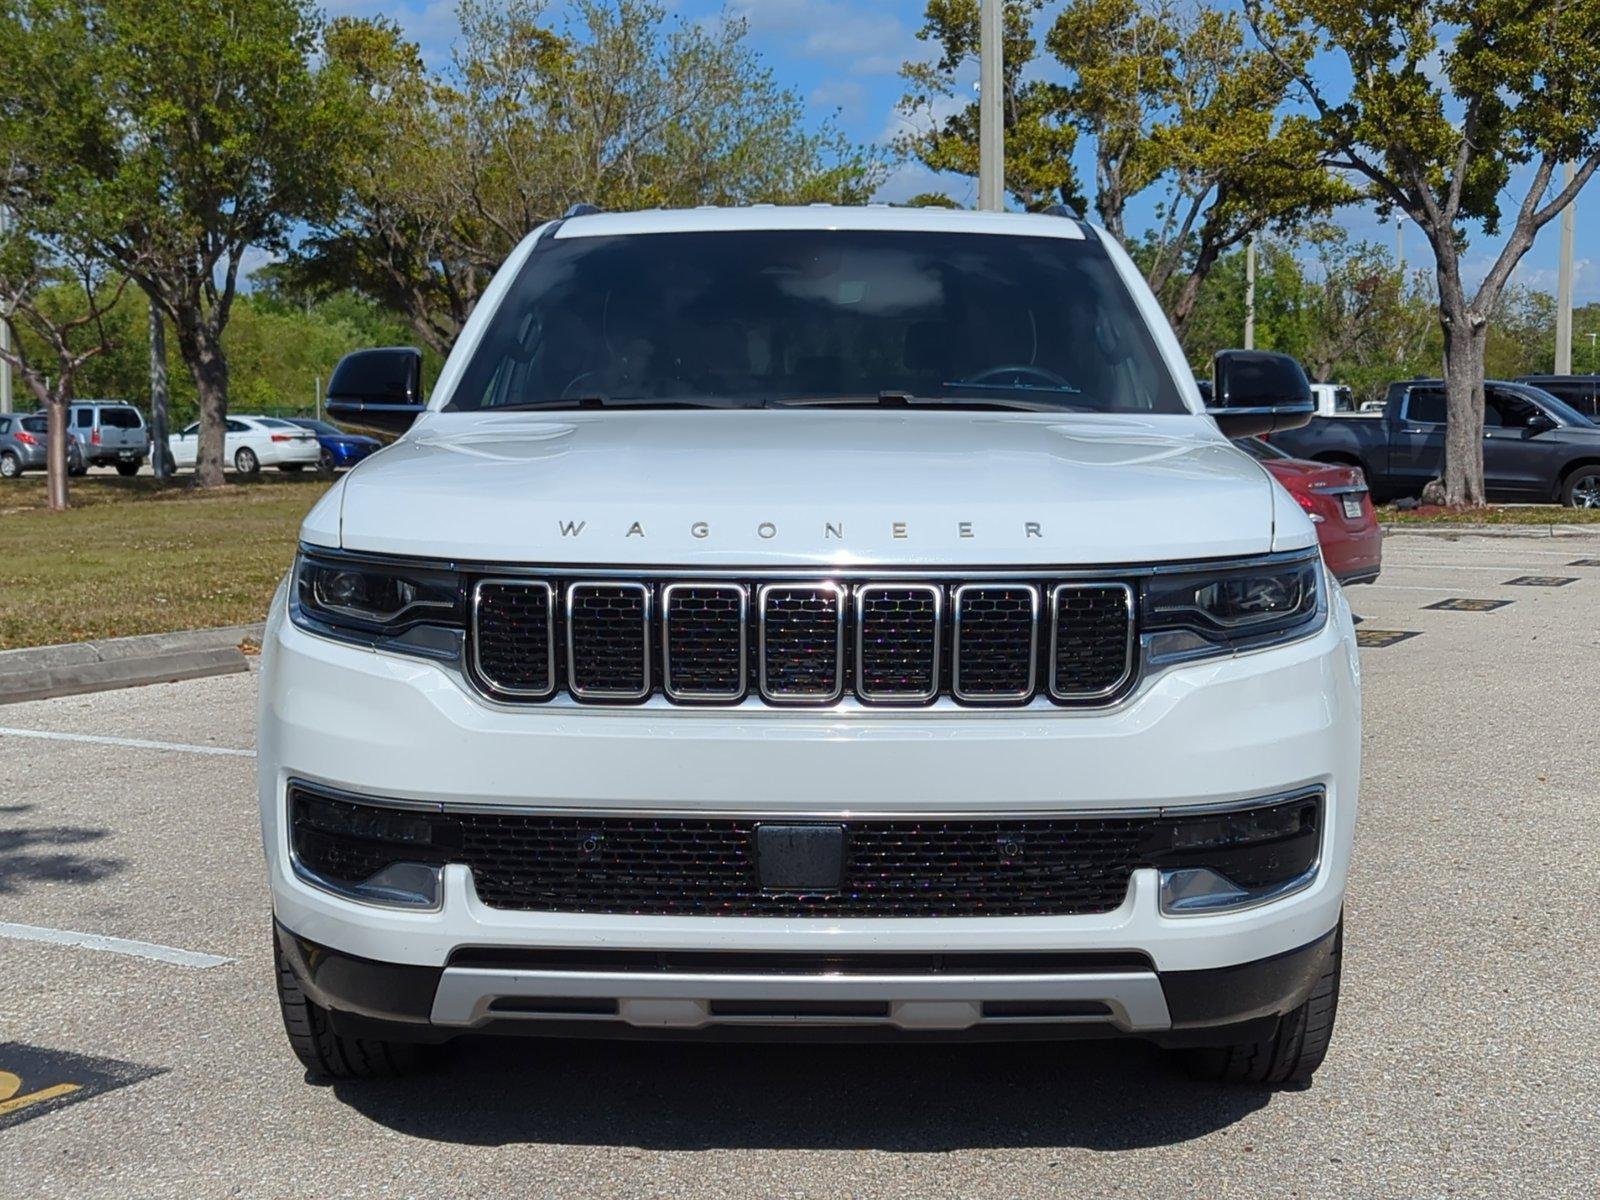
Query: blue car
[339, 449]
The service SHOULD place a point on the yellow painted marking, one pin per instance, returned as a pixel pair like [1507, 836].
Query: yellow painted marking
[11, 1084]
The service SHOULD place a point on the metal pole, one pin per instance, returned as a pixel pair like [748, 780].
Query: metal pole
[319, 397]
[5, 333]
[1569, 224]
[991, 86]
[1400, 245]
[1250, 294]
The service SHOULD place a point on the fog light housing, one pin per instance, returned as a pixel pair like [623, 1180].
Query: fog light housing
[1240, 857]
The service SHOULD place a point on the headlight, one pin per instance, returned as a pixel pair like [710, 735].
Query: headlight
[374, 598]
[1233, 608]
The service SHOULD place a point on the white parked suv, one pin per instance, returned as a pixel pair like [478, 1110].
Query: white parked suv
[823, 622]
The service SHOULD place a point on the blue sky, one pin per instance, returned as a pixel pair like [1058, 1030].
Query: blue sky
[843, 56]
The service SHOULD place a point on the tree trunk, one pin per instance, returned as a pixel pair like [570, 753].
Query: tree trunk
[160, 452]
[201, 348]
[55, 458]
[1464, 338]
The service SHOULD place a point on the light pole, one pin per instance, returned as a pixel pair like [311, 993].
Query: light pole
[1564, 281]
[991, 131]
[5, 333]
[1250, 293]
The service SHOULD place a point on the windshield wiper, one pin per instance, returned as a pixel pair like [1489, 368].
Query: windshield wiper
[898, 399]
[598, 401]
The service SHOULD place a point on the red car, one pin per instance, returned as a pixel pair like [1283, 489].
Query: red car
[1335, 497]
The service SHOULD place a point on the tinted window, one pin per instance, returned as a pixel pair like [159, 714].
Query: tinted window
[192, 430]
[36, 424]
[1343, 400]
[1556, 407]
[1503, 409]
[5, 424]
[321, 427]
[1426, 405]
[237, 426]
[1260, 450]
[742, 317]
[276, 423]
[121, 418]
[83, 418]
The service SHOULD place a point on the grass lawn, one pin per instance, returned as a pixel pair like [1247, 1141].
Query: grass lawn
[1521, 514]
[134, 556]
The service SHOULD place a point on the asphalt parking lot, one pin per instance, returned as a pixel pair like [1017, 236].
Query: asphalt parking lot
[1465, 1062]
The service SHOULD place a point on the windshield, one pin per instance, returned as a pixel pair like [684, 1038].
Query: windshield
[748, 318]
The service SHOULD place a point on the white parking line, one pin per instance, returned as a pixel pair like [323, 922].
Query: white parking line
[51, 735]
[114, 945]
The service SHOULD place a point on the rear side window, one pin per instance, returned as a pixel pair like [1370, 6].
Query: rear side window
[1343, 400]
[121, 418]
[84, 418]
[1426, 405]
[5, 424]
[276, 423]
[36, 424]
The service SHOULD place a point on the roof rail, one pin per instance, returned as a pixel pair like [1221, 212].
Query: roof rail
[581, 210]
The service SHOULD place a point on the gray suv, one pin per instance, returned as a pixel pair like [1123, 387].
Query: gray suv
[24, 443]
[110, 433]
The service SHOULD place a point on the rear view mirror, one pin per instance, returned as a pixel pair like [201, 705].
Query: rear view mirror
[1256, 392]
[381, 389]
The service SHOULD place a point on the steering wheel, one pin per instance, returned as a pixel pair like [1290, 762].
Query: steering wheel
[992, 375]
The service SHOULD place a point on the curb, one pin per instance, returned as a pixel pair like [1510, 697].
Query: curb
[73, 668]
[1445, 530]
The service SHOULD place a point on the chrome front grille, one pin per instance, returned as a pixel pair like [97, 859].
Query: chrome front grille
[804, 641]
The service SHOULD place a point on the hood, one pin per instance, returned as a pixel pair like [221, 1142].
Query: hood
[757, 488]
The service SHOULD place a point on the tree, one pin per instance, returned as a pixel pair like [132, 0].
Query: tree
[1168, 96]
[1453, 105]
[175, 136]
[1039, 137]
[69, 335]
[618, 107]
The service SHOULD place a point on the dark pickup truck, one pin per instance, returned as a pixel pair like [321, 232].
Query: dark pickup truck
[1535, 447]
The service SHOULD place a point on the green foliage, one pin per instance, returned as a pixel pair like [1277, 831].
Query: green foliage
[1170, 97]
[618, 107]
[1446, 99]
[1040, 136]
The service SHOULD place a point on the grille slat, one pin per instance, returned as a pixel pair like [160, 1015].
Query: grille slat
[995, 642]
[802, 642]
[1091, 639]
[704, 633]
[898, 627]
[608, 640]
[1007, 641]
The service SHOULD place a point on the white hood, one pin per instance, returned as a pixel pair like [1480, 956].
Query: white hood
[772, 488]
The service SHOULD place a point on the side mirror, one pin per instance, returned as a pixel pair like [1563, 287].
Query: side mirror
[381, 389]
[1256, 392]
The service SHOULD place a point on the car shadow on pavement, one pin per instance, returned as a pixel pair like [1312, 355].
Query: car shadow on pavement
[48, 854]
[903, 1098]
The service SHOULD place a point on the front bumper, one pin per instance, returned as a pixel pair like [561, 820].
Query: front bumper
[1200, 734]
[1086, 996]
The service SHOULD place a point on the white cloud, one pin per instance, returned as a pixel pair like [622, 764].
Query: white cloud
[846, 95]
[868, 42]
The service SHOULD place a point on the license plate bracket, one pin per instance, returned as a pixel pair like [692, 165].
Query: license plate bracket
[803, 858]
[1352, 506]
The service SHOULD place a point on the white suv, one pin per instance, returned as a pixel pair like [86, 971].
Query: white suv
[835, 622]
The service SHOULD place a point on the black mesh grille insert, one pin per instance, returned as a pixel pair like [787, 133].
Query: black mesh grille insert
[898, 642]
[800, 635]
[994, 641]
[675, 865]
[1092, 635]
[705, 641]
[512, 636]
[608, 639]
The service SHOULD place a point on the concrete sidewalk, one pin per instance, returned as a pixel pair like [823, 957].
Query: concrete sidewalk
[43, 672]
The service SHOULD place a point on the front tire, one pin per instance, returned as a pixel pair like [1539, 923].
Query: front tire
[1294, 1051]
[1581, 488]
[246, 462]
[329, 1055]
